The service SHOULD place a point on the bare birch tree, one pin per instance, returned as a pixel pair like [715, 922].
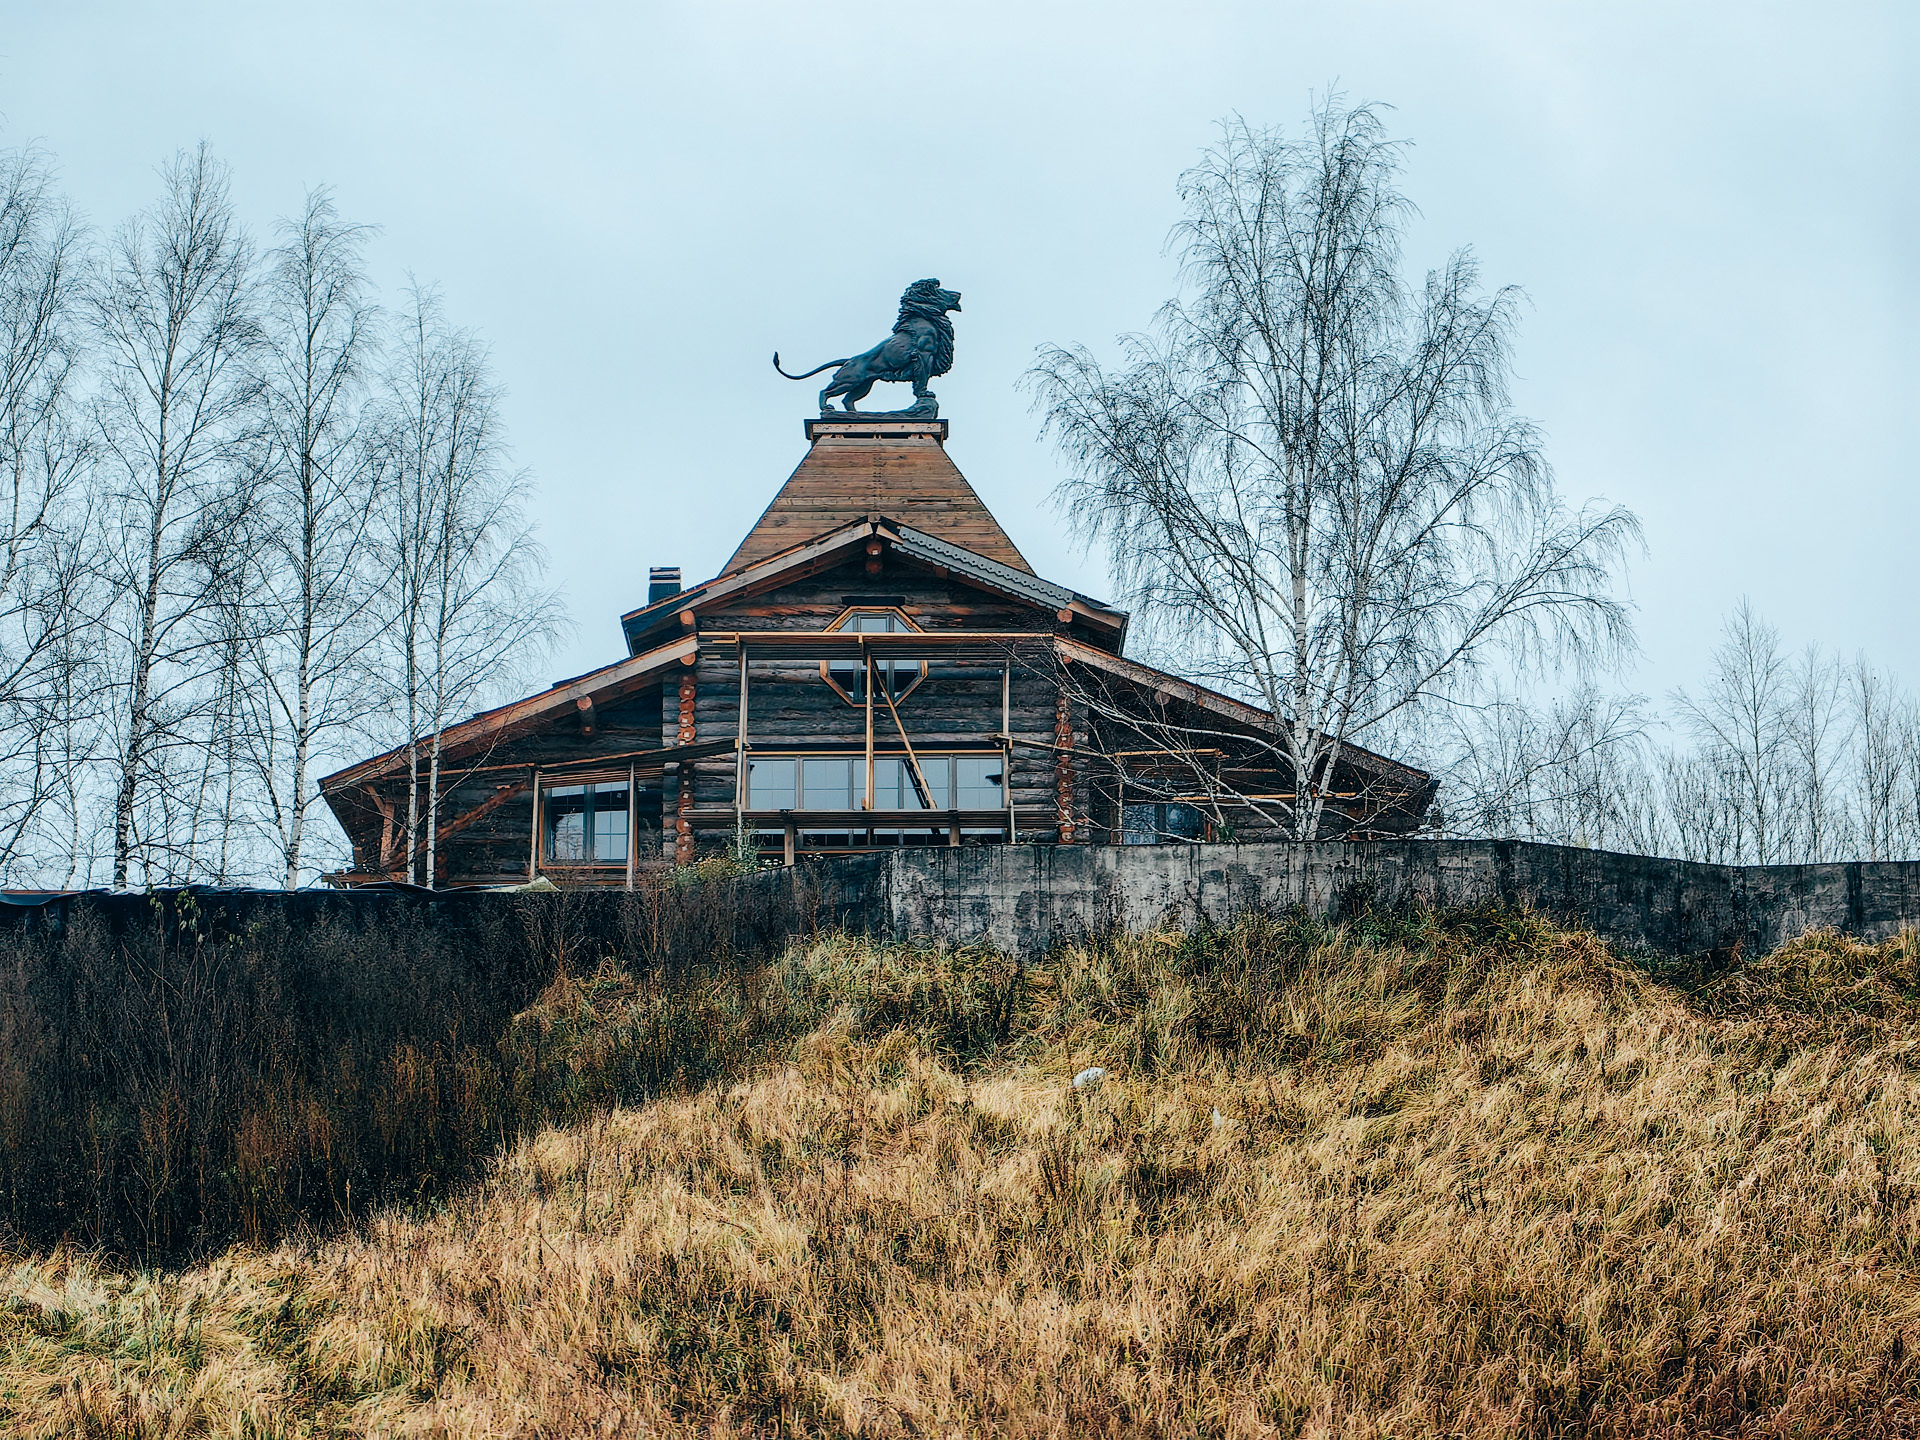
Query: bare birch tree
[1816, 817]
[318, 496]
[170, 306]
[1309, 478]
[465, 612]
[1741, 717]
[1571, 773]
[44, 596]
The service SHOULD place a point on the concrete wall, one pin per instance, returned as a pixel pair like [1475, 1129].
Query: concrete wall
[1025, 897]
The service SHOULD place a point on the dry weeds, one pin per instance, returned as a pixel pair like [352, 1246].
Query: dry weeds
[1452, 1178]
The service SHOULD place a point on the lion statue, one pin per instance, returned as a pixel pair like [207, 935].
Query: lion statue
[920, 347]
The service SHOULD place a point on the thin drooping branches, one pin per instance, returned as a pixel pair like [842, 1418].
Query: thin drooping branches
[172, 313]
[219, 522]
[462, 604]
[1309, 478]
[45, 599]
[319, 468]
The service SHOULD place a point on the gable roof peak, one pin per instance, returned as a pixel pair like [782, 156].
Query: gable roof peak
[858, 467]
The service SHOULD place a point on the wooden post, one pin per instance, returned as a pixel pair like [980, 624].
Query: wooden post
[633, 820]
[1006, 748]
[866, 660]
[533, 858]
[740, 763]
[789, 838]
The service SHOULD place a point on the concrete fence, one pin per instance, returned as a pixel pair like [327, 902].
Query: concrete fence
[1024, 898]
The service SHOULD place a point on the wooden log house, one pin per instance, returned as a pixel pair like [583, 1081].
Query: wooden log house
[876, 665]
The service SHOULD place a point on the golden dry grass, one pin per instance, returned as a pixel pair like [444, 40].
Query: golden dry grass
[1448, 1178]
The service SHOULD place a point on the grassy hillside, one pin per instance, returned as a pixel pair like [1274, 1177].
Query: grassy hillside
[1446, 1176]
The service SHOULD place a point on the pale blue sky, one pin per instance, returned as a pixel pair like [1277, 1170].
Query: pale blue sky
[1711, 207]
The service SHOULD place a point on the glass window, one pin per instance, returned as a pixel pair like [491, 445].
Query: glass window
[978, 782]
[770, 785]
[1161, 823]
[898, 676]
[566, 823]
[894, 786]
[833, 784]
[964, 782]
[585, 824]
[906, 837]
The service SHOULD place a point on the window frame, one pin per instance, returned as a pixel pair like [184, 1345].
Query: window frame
[590, 781]
[1161, 831]
[857, 780]
[853, 612]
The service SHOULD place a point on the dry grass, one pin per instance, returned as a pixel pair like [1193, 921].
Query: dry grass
[1453, 1177]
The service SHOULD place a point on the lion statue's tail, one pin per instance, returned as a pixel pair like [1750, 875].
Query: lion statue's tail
[814, 371]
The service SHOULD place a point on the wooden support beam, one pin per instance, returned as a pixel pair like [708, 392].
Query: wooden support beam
[388, 841]
[533, 856]
[633, 819]
[584, 708]
[740, 764]
[385, 807]
[1006, 753]
[501, 795]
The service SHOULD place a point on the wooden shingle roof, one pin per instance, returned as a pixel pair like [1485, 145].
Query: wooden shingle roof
[855, 469]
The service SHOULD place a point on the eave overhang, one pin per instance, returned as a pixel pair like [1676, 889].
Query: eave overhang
[509, 722]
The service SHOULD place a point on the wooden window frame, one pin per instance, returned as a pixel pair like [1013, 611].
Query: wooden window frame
[549, 780]
[840, 620]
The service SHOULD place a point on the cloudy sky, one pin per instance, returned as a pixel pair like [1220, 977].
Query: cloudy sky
[1711, 207]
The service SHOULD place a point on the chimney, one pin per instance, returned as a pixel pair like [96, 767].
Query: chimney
[663, 581]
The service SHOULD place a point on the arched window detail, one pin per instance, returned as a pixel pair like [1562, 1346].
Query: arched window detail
[848, 677]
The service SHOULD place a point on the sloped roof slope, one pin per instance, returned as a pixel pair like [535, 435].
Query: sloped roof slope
[855, 469]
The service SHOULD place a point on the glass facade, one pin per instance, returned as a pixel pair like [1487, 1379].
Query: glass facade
[951, 782]
[819, 782]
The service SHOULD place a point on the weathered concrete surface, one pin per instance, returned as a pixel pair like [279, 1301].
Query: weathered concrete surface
[1024, 898]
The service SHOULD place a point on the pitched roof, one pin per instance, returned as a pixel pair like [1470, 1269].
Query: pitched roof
[857, 468]
[644, 625]
[508, 722]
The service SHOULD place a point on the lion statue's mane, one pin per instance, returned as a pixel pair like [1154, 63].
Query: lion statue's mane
[920, 347]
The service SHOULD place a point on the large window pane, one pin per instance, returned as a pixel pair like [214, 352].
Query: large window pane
[979, 782]
[585, 824]
[893, 787]
[833, 784]
[770, 785]
[610, 826]
[566, 816]
[1161, 823]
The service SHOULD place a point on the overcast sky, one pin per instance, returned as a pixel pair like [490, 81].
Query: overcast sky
[1711, 207]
